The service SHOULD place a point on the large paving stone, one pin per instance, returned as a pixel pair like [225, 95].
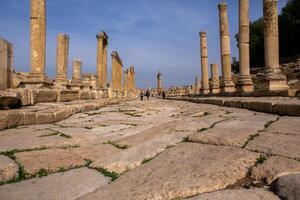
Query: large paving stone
[240, 194]
[8, 169]
[54, 160]
[275, 167]
[286, 125]
[231, 132]
[31, 138]
[287, 187]
[135, 156]
[61, 186]
[185, 170]
[51, 160]
[277, 144]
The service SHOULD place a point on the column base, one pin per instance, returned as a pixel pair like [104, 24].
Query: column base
[275, 82]
[37, 81]
[214, 91]
[228, 87]
[204, 91]
[245, 85]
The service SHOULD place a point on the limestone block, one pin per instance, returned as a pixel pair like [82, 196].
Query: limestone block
[185, 170]
[44, 117]
[84, 95]
[275, 167]
[44, 96]
[16, 118]
[287, 187]
[290, 108]
[259, 106]
[238, 194]
[219, 102]
[8, 169]
[233, 103]
[69, 185]
[29, 118]
[286, 125]
[62, 113]
[67, 95]
[3, 121]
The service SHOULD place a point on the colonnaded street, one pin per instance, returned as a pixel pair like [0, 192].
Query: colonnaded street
[156, 149]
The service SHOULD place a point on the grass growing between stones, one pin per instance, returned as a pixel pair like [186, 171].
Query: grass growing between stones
[251, 137]
[261, 159]
[119, 146]
[113, 175]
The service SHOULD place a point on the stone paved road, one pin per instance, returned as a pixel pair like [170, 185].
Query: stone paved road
[152, 150]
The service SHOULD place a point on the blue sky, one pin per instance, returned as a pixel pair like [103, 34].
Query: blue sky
[151, 34]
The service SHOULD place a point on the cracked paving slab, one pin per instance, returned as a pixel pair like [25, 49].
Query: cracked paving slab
[185, 170]
[61, 186]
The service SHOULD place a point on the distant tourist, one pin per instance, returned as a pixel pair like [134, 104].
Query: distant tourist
[164, 95]
[142, 96]
[147, 94]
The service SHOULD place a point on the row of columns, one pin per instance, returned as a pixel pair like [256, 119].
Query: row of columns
[273, 78]
[38, 52]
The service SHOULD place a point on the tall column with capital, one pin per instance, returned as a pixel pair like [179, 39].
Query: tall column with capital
[245, 83]
[38, 39]
[102, 39]
[204, 64]
[275, 80]
[227, 83]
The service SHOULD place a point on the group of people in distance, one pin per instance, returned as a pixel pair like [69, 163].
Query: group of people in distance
[148, 94]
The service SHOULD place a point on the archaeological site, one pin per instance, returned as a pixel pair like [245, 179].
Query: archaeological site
[84, 116]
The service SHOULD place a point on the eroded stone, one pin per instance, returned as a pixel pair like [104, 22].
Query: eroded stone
[8, 169]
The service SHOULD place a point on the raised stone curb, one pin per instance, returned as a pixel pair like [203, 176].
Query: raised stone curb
[281, 106]
[53, 112]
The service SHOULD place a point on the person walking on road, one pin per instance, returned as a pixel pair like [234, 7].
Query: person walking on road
[147, 94]
[142, 96]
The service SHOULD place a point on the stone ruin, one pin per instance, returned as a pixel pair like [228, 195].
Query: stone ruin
[36, 87]
[272, 81]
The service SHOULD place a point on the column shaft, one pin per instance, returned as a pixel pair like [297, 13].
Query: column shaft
[38, 38]
[215, 82]
[245, 83]
[274, 77]
[62, 58]
[77, 68]
[102, 59]
[227, 83]
[204, 63]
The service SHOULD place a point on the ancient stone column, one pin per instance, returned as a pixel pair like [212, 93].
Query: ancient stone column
[197, 86]
[159, 84]
[6, 64]
[132, 77]
[102, 59]
[204, 64]
[245, 84]
[126, 79]
[77, 68]
[38, 39]
[275, 80]
[116, 71]
[227, 83]
[62, 54]
[215, 82]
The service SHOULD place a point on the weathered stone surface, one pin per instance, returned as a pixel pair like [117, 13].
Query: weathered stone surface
[3, 121]
[61, 186]
[275, 167]
[287, 108]
[51, 160]
[251, 194]
[277, 144]
[185, 170]
[286, 125]
[228, 133]
[8, 169]
[261, 106]
[287, 187]
[10, 102]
